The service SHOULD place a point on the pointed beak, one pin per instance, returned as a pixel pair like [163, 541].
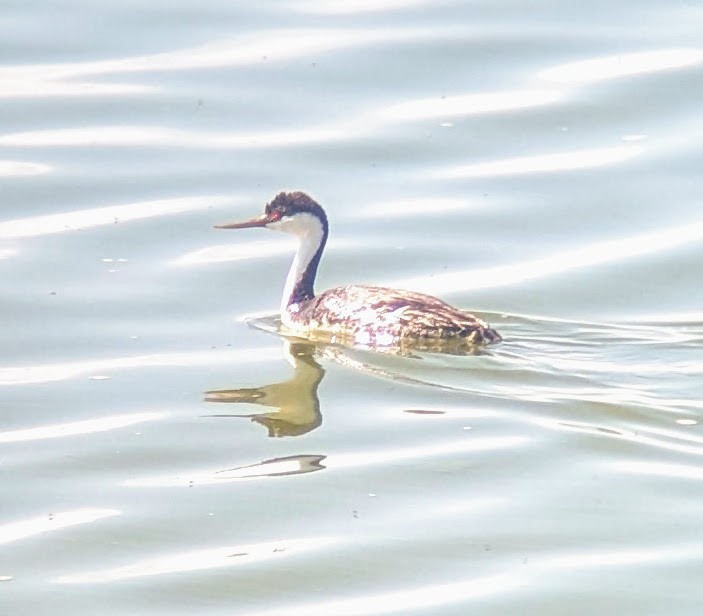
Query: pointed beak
[260, 221]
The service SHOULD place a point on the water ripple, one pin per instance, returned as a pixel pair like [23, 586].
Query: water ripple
[34, 226]
[366, 123]
[593, 254]
[433, 596]
[31, 527]
[198, 560]
[42, 80]
[13, 168]
[622, 65]
[88, 426]
[292, 465]
[543, 163]
[22, 375]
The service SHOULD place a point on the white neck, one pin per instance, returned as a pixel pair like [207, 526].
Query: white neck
[310, 235]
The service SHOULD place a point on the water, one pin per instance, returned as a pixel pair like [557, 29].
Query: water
[540, 165]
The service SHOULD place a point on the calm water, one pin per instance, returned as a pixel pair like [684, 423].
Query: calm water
[538, 164]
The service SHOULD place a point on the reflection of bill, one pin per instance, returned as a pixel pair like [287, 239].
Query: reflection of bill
[297, 407]
[275, 467]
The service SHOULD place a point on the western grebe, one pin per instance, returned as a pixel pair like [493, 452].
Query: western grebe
[365, 315]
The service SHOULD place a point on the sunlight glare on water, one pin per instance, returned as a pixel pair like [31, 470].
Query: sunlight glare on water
[167, 448]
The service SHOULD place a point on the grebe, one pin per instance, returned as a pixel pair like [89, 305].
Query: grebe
[369, 316]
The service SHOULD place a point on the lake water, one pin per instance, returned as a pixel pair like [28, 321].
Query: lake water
[539, 163]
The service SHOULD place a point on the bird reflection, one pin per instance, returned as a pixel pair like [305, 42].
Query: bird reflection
[297, 407]
[295, 404]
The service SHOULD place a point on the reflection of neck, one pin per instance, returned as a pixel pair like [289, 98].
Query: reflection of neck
[312, 236]
[296, 407]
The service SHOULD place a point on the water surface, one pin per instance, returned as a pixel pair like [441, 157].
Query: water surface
[539, 165]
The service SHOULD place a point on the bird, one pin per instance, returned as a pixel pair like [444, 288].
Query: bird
[368, 316]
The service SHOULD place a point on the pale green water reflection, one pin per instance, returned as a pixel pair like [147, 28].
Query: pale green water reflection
[295, 399]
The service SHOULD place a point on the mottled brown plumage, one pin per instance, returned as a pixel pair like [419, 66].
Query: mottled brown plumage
[381, 316]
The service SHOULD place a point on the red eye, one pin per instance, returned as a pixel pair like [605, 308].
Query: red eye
[274, 216]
